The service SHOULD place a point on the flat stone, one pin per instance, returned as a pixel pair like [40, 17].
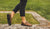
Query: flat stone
[19, 26]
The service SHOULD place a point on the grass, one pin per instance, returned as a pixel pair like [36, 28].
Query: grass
[31, 4]
[17, 19]
[42, 7]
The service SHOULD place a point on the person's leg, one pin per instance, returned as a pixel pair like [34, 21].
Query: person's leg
[10, 16]
[24, 22]
[22, 13]
[22, 10]
[15, 10]
[23, 19]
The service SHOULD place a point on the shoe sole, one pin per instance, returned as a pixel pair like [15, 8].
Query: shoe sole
[8, 19]
[25, 25]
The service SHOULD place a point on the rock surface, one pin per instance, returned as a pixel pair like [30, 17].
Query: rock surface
[18, 26]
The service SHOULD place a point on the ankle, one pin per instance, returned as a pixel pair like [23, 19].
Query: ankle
[23, 21]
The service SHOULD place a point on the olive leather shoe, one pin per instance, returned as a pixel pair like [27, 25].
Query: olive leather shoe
[26, 24]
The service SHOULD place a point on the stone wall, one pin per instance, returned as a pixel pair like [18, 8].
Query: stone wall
[44, 23]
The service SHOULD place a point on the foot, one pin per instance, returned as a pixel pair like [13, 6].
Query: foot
[9, 19]
[26, 24]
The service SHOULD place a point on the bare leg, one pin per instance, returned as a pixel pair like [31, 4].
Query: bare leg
[12, 14]
[23, 19]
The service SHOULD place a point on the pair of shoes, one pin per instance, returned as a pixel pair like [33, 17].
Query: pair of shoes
[26, 24]
[9, 19]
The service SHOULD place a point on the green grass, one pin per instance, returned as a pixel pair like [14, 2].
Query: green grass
[31, 4]
[40, 6]
[17, 19]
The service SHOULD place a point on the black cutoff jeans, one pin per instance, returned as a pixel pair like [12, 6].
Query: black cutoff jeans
[21, 7]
